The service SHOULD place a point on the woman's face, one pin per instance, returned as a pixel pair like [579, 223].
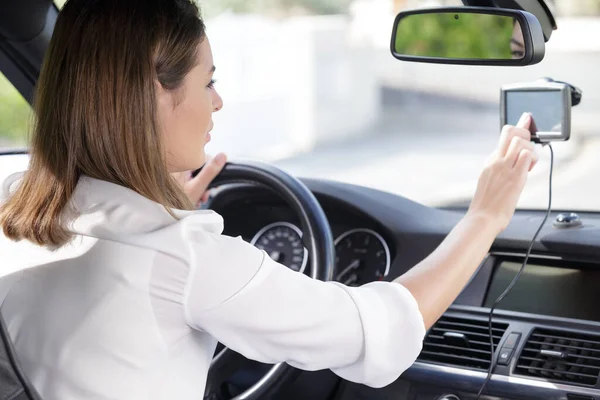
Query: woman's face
[517, 43]
[186, 114]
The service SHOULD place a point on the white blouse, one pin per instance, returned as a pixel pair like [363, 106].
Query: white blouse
[134, 306]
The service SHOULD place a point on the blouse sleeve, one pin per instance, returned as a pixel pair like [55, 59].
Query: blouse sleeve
[269, 313]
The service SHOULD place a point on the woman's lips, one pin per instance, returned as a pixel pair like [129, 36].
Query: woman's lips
[208, 133]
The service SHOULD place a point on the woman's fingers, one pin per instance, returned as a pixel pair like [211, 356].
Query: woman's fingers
[514, 150]
[196, 188]
[509, 132]
[526, 160]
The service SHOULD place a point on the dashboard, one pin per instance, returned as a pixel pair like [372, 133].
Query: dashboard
[363, 248]
[545, 332]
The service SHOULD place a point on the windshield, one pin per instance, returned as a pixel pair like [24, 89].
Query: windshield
[310, 86]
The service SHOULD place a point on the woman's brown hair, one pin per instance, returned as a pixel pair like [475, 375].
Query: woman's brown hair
[96, 111]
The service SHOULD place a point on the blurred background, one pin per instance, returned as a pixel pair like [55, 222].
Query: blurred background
[311, 86]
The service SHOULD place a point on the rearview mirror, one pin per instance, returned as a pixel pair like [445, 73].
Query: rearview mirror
[468, 35]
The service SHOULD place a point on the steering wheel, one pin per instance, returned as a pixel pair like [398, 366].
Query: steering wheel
[317, 239]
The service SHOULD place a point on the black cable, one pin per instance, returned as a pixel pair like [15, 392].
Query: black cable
[517, 276]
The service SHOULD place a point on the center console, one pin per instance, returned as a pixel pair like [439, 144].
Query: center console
[546, 335]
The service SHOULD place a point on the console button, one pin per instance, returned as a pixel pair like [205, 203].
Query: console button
[512, 340]
[505, 356]
[507, 349]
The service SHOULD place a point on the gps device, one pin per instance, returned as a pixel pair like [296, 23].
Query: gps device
[548, 101]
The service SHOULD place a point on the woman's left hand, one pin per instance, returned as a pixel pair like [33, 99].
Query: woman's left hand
[196, 188]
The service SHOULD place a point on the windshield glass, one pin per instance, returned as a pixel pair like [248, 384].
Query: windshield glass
[311, 86]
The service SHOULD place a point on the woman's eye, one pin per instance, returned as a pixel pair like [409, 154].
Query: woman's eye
[211, 84]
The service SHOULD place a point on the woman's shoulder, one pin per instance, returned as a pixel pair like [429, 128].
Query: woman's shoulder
[198, 240]
[201, 235]
[213, 266]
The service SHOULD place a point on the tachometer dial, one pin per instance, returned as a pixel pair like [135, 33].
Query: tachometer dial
[282, 241]
[362, 256]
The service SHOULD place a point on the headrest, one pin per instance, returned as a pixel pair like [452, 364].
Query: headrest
[22, 20]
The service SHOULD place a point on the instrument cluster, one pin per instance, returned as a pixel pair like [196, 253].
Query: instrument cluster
[362, 255]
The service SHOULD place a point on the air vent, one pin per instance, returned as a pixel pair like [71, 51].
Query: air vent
[561, 356]
[461, 342]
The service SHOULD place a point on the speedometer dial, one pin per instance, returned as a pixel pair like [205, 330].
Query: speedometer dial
[362, 256]
[282, 241]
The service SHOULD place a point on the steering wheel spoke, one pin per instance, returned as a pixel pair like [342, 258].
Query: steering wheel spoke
[222, 367]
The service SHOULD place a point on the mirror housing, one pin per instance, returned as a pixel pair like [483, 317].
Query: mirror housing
[542, 9]
[468, 36]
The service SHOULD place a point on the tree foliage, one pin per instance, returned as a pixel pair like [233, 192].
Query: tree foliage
[14, 115]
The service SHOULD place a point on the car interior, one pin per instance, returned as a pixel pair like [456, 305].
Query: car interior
[542, 340]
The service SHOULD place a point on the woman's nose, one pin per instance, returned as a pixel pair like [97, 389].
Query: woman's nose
[217, 102]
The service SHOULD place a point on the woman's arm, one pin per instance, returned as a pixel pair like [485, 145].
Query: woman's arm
[438, 280]
[368, 334]
[269, 313]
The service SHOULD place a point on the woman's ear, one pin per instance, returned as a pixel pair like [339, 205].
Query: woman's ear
[167, 99]
[164, 98]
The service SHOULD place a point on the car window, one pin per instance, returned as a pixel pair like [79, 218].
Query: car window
[14, 116]
[311, 86]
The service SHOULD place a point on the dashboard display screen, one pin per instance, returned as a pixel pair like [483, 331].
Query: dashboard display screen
[552, 291]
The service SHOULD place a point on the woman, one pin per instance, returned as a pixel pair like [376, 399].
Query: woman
[129, 288]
